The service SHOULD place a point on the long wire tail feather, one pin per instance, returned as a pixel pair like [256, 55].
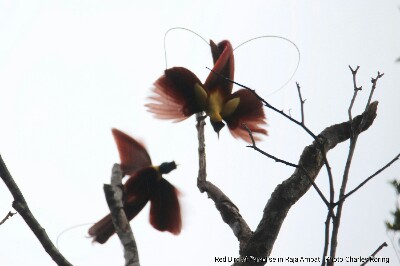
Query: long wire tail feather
[281, 38]
[178, 28]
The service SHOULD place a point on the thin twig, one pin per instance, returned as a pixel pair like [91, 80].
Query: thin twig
[278, 160]
[9, 215]
[374, 81]
[384, 244]
[369, 178]
[356, 89]
[20, 205]
[114, 195]
[355, 131]
[292, 189]
[301, 102]
[302, 125]
[326, 238]
[328, 204]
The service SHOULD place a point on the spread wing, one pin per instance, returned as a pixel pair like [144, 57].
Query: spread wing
[133, 154]
[174, 95]
[249, 111]
[165, 212]
[138, 190]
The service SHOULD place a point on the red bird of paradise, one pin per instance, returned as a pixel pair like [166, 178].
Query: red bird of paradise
[145, 184]
[179, 93]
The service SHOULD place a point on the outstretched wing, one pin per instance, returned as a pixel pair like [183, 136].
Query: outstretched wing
[250, 112]
[165, 212]
[174, 95]
[133, 154]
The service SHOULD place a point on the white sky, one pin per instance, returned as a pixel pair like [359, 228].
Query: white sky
[72, 70]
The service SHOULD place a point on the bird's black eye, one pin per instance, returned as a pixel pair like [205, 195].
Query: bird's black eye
[165, 168]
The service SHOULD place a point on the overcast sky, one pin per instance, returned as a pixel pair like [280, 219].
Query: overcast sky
[72, 70]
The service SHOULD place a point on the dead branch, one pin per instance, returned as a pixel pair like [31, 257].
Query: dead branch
[354, 133]
[384, 244]
[356, 89]
[278, 160]
[301, 124]
[9, 215]
[114, 195]
[229, 212]
[301, 102]
[261, 242]
[369, 178]
[20, 205]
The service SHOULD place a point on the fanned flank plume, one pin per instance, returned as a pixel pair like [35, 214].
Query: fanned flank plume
[145, 183]
[179, 93]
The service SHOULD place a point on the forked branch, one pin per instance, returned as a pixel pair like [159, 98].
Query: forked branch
[291, 190]
[260, 243]
[354, 133]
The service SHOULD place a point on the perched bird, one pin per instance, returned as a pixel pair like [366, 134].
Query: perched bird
[179, 93]
[145, 184]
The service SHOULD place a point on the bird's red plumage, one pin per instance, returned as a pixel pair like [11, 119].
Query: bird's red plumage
[144, 184]
[165, 209]
[249, 112]
[175, 96]
[133, 154]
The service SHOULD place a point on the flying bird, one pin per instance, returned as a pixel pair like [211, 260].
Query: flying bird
[179, 93]
[145, 183]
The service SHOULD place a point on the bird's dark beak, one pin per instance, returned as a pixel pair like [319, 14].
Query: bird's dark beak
[217, 126]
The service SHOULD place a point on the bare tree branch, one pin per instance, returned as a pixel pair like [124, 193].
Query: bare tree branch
[369, 178]
[291, 190]
[376, 252]
[202, 175]
[9, 215]
[319, 142]
[328, 204]
[313, 158]
[276, 159]
[20, 205]
[354, 133]
[356, 89]
[326, 238]
[114, 195]
[301, 102]
[229, 212]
